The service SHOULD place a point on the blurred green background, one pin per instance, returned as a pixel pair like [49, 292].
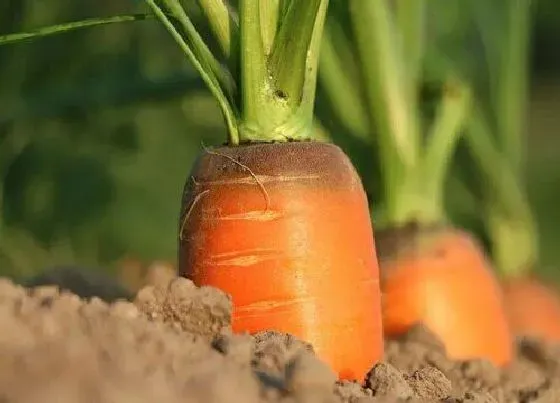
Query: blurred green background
[98, 130]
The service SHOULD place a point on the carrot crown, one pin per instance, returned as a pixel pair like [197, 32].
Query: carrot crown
[264, 77]
[496, 136]
[388, 45]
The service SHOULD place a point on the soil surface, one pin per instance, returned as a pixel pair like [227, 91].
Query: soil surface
[173, 343]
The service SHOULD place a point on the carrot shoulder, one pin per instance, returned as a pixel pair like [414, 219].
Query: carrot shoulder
[285, 229]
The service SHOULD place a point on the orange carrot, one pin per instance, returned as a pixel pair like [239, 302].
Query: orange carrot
[440, 277]
[279, 222]
[285, 229]
[533, 308]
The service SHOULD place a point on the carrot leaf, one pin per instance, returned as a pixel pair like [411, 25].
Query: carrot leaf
[496, 138]
[69, 27]
[451, 118]
[385, 78]
[254, 75]
[512, 77]
[391, 107]
[288, 61]
[509, 218]
[410, 16]
[338, 74]
[278, 88]
[270, 15]
[196, 51]
[223, 23]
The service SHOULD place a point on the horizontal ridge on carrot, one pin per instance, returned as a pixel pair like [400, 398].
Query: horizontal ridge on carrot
[430, 272]
[276, 218]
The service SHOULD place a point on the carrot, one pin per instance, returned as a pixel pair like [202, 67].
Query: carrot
[496, 140]
[430, 272]
[533, 308]
[275, 218]
[427, 275]
[292, 244]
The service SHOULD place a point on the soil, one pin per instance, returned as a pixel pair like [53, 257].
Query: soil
[173, 343]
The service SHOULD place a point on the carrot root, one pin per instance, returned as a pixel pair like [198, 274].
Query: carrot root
[533, 308]
[440, 277]
[306, 265]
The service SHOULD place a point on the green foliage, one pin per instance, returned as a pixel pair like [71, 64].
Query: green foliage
[106, 122]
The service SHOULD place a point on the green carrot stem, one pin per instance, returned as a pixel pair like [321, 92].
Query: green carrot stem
[289, 78]
[313, 55]
[385, 79]
[254, 74]
[514, 242]
[508, 217]
[391, 92]
[340, 84]
[512, 78]
[449, 123]
[269, 15]
[410, 17]
[223, 24]
[17, 37]
[201, 64]
[279, 106]
[374, 49]
[187, 31]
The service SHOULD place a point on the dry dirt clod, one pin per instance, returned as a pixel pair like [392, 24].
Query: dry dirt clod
[386, 380]
[429, 383]
[351, 392]
[471, 397]
[238, 348]
[274, 350]
[204, 311]
[306, 374]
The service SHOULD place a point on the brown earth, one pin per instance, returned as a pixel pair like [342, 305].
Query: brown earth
[173, 343]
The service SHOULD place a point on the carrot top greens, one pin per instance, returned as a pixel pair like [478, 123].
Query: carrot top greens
[388, 45]
[496, 135]
[263, 78]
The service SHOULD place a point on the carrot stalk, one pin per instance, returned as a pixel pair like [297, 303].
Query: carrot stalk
[254, 72]
[410, 20]
[496, 142]
[386, 85]
[511, 82]
[290, 79]
[509, 219]
[196, 55]
[495, 137]
[444, 135]
[341, 84]
[413, 178]
[425, 263]
[8, 39]
[223, 23]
